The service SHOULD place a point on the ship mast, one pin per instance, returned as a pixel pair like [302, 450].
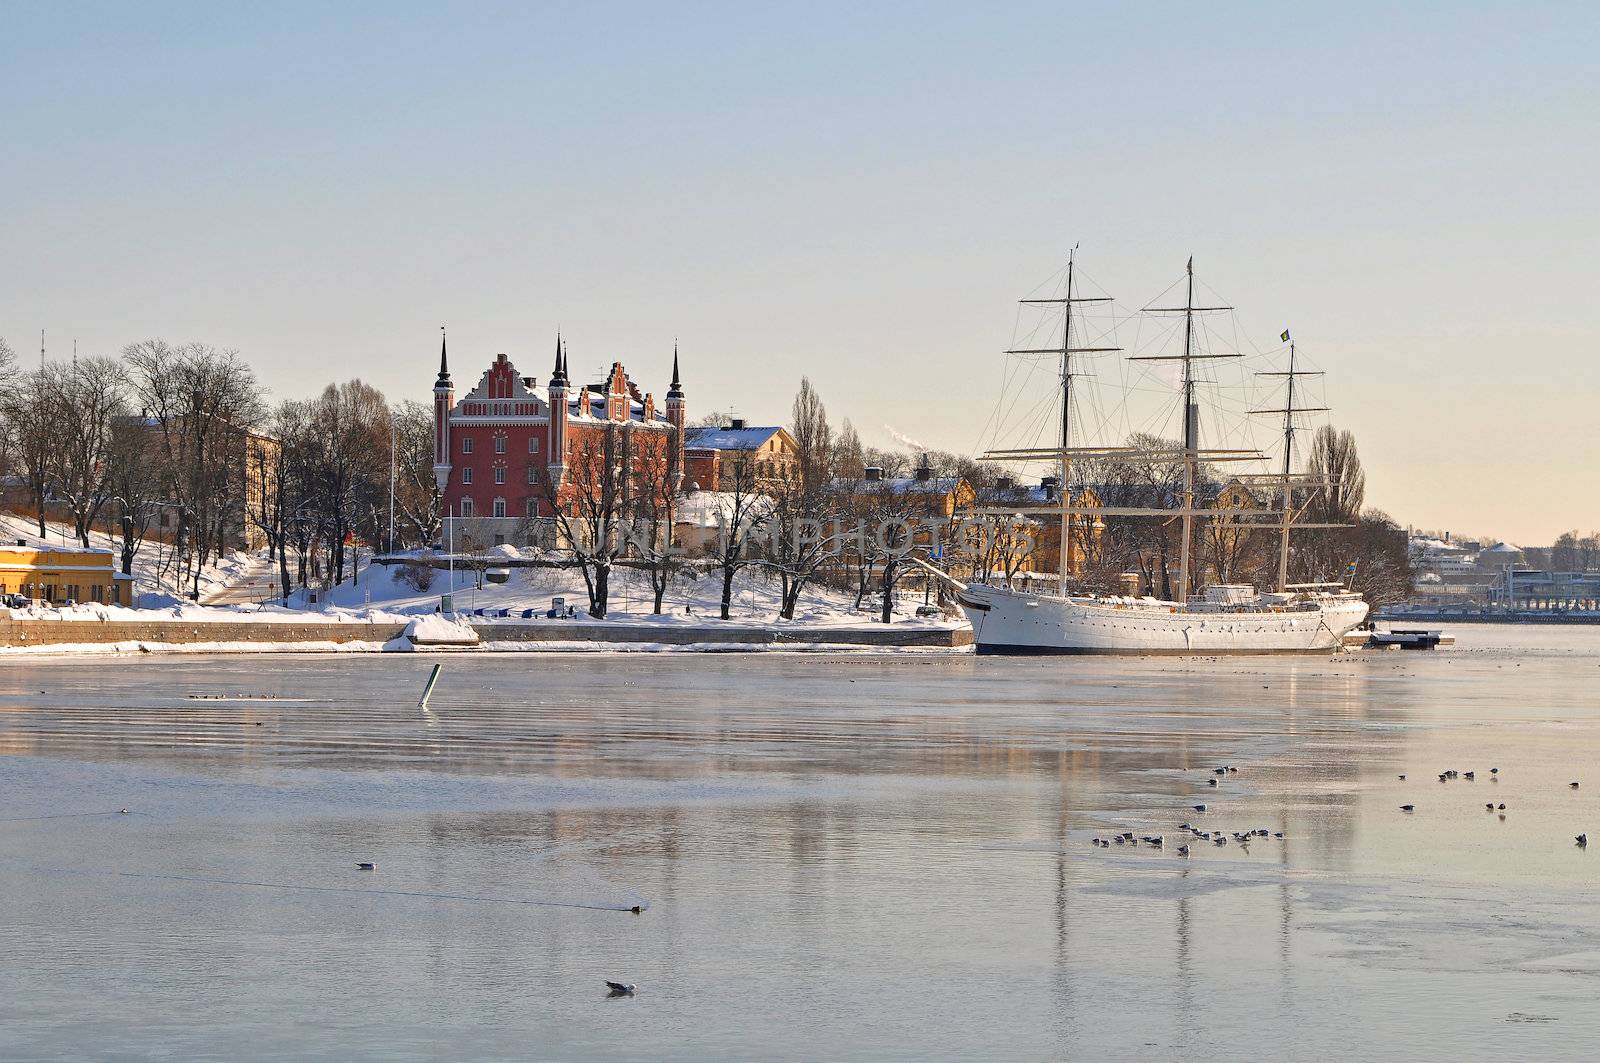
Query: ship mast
[1066, 351]
[1289, 410]
[1191, 435]
[1191, 414]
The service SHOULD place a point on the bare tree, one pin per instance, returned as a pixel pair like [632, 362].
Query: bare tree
[134, 484]
[417, 499]
[27, 405]
[589, 508]
[199, 399]
[812, 436]
[653, 500]
[740, 510]
[801, 537]
[86, 399]
[849, 460]
[1335, 466]
[713, 419]
[348, 436]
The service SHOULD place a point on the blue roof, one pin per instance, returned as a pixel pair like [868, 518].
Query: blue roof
[729, 438]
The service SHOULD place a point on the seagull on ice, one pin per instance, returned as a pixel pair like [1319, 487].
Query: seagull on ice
[1202, 808]
[621, 989]
[1408, 808]
[366, 865]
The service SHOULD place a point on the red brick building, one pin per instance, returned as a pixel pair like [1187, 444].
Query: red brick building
[500, 451]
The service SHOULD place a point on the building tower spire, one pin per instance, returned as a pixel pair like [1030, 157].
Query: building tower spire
[676, 390]
[677, 416]
[444, 400]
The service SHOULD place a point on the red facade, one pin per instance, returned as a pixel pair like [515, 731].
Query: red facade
[504, 446]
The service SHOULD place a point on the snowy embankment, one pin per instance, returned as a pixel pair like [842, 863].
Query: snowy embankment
[510, 616]
[379, 594]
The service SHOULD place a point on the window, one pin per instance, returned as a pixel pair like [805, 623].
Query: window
[466, 507]
[499, 474]
[499, 444]
[532, 476]
[466, 444]
[499, 507]
[533, 444]
[533, 506]
[466, 475]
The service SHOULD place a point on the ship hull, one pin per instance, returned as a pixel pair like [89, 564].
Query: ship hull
[1016, 623]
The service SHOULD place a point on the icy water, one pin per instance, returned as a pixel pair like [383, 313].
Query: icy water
[884, 857]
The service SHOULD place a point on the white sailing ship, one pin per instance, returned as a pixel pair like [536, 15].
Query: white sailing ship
[1229, 619]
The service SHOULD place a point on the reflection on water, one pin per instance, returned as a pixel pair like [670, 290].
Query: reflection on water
[884, 856]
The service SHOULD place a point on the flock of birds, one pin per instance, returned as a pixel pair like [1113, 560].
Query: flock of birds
[1195, 834]
[1450, 774]
[1245, 837]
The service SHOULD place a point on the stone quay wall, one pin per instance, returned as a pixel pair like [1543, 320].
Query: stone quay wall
[180, 632]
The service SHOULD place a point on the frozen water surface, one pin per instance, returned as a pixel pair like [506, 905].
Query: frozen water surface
[838, 856]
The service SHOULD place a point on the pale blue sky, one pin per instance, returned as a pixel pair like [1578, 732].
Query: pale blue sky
[852, 193]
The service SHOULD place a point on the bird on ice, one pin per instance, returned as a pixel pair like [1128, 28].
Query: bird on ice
[621, 989]
[1408, 808]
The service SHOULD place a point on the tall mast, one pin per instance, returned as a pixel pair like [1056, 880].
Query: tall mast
[1286, 499]
[1191, 435]
[1191, 415]
[1288, 467]
[1062, 491]
[1066, 351]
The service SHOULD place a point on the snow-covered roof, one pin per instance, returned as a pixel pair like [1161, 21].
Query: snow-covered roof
[701, 508]
[900, 485]
[728, 438]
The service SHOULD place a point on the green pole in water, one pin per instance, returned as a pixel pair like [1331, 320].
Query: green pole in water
[427, 691]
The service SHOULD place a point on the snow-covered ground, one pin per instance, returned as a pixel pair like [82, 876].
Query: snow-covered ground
[380, 594]
[148, 580]
[692, 598]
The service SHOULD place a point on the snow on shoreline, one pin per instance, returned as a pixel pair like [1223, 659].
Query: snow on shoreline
[379, 597]
[402, 645]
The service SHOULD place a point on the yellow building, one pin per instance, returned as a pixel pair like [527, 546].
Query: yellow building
[59, 574]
